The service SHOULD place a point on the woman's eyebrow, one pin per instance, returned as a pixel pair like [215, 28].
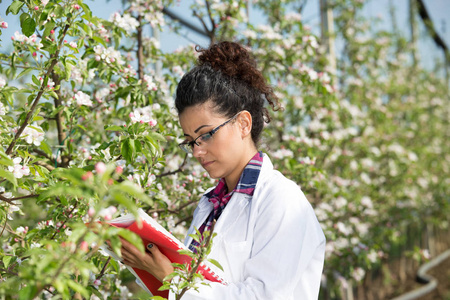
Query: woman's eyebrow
[196, 130]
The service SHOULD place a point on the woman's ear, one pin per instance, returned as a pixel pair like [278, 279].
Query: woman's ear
[244, 122]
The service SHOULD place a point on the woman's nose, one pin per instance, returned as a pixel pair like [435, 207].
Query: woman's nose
[198, 151]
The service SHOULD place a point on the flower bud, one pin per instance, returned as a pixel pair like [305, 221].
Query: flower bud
[119, 170]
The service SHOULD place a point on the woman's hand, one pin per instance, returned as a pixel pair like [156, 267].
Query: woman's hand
[152, 261]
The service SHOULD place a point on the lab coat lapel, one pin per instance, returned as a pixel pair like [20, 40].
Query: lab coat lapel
[204, 209]
[232, 211]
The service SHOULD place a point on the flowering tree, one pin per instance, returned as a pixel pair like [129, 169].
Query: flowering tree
[88, 131]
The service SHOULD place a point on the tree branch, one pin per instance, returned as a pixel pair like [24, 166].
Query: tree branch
[140, 49]
[423, 12]
[54, 61]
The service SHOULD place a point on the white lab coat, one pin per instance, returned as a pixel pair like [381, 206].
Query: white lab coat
[271, 245]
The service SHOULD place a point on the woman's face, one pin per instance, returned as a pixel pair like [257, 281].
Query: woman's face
[228, 151]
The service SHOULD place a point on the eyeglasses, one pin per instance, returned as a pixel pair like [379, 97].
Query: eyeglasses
[188, 147]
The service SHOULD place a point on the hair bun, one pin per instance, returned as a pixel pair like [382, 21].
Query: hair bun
[231, 59]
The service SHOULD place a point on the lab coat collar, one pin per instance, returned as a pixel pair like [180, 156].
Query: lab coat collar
[237, 203]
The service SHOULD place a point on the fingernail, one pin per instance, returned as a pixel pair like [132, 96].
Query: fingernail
[150, 246]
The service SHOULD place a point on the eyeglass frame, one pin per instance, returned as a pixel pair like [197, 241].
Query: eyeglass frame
[188, 147]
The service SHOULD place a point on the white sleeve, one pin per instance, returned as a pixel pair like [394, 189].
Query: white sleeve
[287, 253]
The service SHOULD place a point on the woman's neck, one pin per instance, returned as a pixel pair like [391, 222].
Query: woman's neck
[233, 179]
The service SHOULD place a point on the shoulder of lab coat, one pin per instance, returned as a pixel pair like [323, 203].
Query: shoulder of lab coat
[286, 243]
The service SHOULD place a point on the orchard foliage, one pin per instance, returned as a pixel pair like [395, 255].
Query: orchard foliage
[88, 131]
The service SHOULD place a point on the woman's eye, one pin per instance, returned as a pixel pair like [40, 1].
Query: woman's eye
[205, 137]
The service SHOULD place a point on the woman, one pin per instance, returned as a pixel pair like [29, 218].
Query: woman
[268, 241]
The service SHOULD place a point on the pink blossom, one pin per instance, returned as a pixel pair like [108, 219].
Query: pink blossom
[84, 246]
[91, 212]
[4, 25]
[100, 167]
[87, 175]
[119, 170]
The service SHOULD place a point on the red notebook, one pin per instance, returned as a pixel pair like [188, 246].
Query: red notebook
[152, 232]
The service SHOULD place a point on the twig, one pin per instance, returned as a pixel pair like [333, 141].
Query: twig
[7, 200]
[4, 226]
[63, 223]
[198, 262]
[102, 272]
[180, 169]
[41, 153]
[45, 165]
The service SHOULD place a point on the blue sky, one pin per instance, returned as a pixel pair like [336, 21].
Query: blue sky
[438, 9]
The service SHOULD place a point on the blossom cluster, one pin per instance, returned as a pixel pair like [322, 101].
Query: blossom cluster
[82, 99]
[19, 170]
[152, 11]
[30, 41]
[109, 55]
[33, 134]
[126, 22]
[144, 114]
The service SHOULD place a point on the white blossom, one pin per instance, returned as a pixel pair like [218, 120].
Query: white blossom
[282, 153]
[126, 22]
[23, 39]
[2, 82]
[358, 274]
[33, 135]
[82, 99]
[21, 229]
[18, 169]
[2, 109]
[151, 86]
[367, 202]
[143, 115]
[35, 245]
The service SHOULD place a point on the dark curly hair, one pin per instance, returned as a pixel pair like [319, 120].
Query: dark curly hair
[227, 75]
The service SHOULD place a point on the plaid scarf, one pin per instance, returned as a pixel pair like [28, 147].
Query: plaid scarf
[220, 198]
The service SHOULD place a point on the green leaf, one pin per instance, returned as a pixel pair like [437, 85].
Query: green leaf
[8, 176]
[48, 27]
[46, 148]
[14, 8]
[27, 292]
[6, 261]
[114, 128]
[99, 40]
[156, 136]
[5, 160]
[216, 263]
[133, 190]
[78, 288]
[127, 149]
[123, 200]
[68, 71]
[34, 78]
[28, 26]
[115, 265]
[133, 238]
[26, 71]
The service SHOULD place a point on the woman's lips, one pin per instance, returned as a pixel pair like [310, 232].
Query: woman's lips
[206, 164]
